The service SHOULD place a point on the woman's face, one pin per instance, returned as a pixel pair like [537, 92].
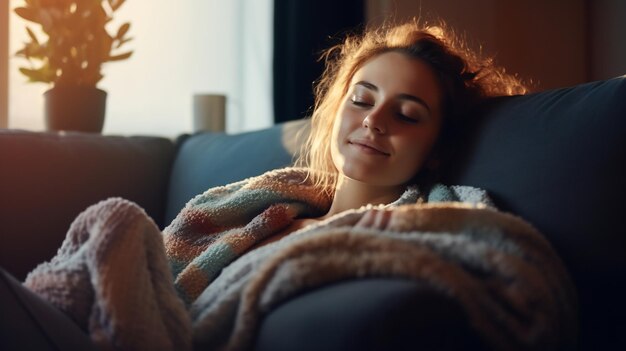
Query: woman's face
[388, 121]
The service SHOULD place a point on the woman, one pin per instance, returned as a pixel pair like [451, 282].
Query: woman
[389, 107]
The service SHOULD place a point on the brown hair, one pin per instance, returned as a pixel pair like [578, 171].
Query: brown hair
[466, 80]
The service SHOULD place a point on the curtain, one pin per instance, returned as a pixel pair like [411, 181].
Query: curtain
[302, 29]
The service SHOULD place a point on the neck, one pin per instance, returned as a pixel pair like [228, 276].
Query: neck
[352, 194]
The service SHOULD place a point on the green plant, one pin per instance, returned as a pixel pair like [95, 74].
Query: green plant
[78, 41]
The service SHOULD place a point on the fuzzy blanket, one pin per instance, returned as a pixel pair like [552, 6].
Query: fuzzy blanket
[115, 277]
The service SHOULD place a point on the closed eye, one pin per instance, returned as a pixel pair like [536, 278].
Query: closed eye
[360, 103]
[407, 119]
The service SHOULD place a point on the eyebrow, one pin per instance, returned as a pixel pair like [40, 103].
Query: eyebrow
[409, 97]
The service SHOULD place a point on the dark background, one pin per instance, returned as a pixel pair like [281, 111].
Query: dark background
[549, 44]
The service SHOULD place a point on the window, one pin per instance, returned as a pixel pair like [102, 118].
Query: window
[180, 48]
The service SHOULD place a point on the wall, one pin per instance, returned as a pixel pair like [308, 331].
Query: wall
[4, 64]
[547, 43]
[608, 38]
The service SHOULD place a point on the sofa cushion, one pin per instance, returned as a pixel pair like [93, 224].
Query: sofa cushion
[556, 158]
[205, 160]
[369, 314]
[47, 179]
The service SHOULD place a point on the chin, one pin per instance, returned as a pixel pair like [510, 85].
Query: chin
[370, 177]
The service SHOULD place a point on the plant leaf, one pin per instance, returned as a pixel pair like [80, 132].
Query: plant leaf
[34, 50]
[122, 42]
[106, 48]
[56, 14]
[120, 57]
[27, 14]
[42, 74]
[122, 31]
[32, 35]
[76, 40]
[94, 80]
[115, 4]
[46, 20]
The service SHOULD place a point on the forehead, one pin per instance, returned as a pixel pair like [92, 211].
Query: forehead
[397, 73]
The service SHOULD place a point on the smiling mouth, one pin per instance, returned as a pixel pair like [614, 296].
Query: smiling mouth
[368, 148]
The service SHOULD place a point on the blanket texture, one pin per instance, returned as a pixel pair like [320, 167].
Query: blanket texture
[195, 285]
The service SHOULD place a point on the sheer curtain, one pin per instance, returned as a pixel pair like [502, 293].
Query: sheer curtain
[180, 48]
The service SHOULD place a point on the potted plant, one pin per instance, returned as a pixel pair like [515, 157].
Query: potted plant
[71, 59]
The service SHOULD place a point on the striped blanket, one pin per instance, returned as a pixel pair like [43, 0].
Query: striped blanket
[133, 287]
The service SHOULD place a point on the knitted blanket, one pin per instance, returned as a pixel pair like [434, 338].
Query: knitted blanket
[112, 277]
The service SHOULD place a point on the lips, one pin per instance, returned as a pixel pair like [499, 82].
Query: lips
[368, 146]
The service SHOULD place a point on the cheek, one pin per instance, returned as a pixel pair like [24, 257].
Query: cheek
[345, 123]
[420, 146]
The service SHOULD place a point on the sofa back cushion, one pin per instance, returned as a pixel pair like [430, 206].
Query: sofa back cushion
[556, 158]
[206, 160]
[47, 179]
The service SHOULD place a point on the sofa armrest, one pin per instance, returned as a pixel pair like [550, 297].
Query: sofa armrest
[47, 179]
[30, 323]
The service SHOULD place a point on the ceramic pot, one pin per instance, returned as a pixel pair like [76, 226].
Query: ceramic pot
[75, 108]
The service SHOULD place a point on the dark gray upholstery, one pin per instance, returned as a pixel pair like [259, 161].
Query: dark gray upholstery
[46, 179]
[29, 323]
[367, 315]
[557, 159]
[207, 160]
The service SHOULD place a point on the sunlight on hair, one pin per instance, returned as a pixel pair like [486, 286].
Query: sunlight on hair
[467, 79]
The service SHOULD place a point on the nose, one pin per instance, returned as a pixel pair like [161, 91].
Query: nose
[375, 122]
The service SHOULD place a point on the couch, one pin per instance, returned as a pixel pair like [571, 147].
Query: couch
[555, 158]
